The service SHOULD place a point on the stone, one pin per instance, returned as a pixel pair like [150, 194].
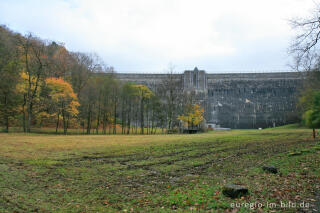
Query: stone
[270, 169]
[234, 191]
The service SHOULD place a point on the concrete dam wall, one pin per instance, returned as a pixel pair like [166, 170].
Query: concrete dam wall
[249, 100]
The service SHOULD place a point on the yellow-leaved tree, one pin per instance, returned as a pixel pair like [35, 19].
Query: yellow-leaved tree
[193, 117]
[63, 101]
[28, 83]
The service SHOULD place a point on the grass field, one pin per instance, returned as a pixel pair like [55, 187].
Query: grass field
[158, 173]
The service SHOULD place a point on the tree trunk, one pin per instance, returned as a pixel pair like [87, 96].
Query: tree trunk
[64, 119]
[98, 118]
[24, 114]
[67, 126]
[82, 126]
[136, 119]
[64, 125]
[89, 120]
[152, 121]
[6, 114]
[128, 119]
[169, 119]
[141, 117]
[122, 116]
[148, 119]
[104, 123]
[7, 123]
[98, 121]
[57, 125]
[115, 119]
[29, 116]
[314, 133]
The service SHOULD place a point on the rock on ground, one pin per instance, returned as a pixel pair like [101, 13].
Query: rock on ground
[234, 191]
[270, 169]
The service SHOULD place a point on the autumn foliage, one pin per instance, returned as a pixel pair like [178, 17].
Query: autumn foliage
[42, 84]
[193, 116]
[63, 100]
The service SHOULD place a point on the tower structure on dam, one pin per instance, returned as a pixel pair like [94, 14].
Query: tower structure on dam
[234, 100]
[195, 80]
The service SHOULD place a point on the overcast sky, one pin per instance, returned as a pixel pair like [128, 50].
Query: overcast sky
[148, 35]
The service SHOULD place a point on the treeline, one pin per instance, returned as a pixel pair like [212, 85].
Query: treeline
[42, 84]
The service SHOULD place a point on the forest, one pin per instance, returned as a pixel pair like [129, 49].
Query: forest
[42, 84]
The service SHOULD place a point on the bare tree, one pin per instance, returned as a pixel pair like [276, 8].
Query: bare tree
[171, 87]
[305, 46]
[84, 66]
[34, 53]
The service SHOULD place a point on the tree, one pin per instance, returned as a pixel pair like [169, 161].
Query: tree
[60, 61]
[129, 93]
[158, 113]
[29, 67]
[193, 116]
[83, 67]
[63, 101]
[305, 46]
[144, 94]
[106, 107]
[26, 84]
[115, 96]
[9, 76]
[35, 59]
[311, 117]
[170, 91]
[309, 88]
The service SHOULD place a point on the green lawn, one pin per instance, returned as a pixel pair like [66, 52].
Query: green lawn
[157, 173]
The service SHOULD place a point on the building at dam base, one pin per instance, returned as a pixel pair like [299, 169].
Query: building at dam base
[234, 100]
